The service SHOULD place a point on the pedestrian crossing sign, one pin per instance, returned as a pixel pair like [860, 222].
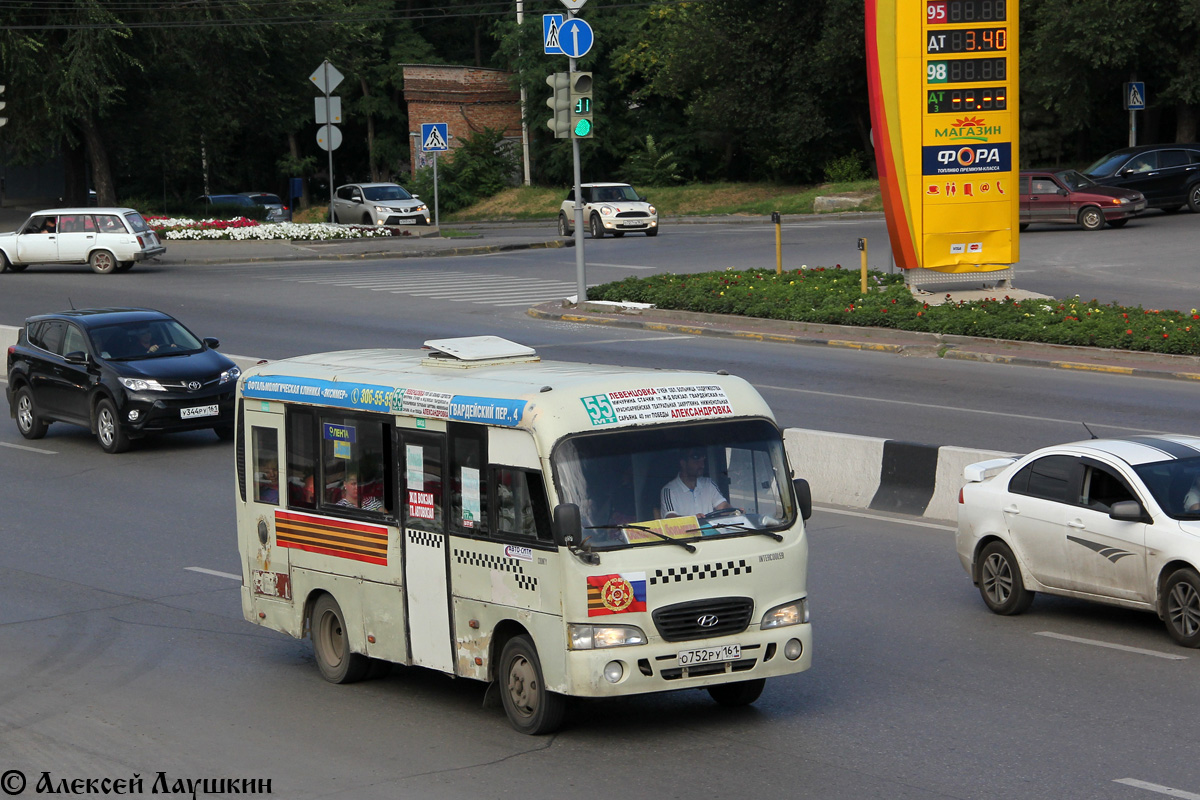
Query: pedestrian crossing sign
[1135, 96]
[434, 137]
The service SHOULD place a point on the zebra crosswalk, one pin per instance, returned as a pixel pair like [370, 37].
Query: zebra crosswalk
[454, 287]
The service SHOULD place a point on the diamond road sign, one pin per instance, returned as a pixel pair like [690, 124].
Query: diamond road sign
[574, 5]
[326, 77]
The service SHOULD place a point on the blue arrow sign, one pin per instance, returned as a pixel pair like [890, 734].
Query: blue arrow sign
[434, 137]
[575, 38]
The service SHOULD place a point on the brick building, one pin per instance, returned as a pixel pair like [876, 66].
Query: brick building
[467, 99]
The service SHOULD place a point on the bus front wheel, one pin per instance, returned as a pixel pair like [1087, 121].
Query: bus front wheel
[742, 693]
[531, 709]
[331, 646]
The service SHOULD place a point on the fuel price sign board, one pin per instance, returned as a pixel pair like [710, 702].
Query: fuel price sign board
[943, 85]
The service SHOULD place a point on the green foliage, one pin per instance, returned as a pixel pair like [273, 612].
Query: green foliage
[482, 166]
[834, 296]
[846, 168]
[650, 167]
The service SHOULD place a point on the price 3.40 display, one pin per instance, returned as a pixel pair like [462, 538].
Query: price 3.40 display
[968, 40]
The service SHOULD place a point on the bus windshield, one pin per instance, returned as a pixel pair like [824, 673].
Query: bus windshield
[646, 486]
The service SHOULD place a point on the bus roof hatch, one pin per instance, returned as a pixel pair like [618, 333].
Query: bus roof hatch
[476, 349]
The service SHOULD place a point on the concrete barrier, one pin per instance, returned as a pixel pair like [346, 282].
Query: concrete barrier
[881, 474]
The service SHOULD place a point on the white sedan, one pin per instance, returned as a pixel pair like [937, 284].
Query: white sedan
[1111, 520]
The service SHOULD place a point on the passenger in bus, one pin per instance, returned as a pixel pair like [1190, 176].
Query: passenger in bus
[302, 493]
[352, 497]
[690, 493]
[268, 482]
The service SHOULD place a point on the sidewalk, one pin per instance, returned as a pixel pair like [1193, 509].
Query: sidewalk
[884, 340]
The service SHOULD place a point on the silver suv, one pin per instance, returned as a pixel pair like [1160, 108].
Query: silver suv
[378, 204]
[609, 208]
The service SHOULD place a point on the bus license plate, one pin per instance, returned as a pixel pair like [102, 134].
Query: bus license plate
[199, 411]
[710, 655]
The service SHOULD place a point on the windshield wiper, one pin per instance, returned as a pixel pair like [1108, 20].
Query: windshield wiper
[741, 527]
[690, 548]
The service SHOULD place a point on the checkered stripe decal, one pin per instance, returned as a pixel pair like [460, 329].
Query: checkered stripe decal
[699, 572]
[473, 559]
[426, 538]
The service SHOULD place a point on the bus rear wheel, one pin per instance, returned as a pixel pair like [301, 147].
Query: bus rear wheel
[531, 709]
[331, 646]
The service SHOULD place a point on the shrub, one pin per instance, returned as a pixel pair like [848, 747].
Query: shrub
[845, 169]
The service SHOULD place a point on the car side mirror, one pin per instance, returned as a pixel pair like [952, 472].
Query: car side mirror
[212, 343]
[1128, 511]
[76, 357]
[803, 497]
[568, 525]
[1063, 192]
[644, 199]
[357, 198]
[1127, 172]
[416, 197]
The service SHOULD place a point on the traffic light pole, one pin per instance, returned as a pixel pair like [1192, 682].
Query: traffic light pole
[580, 262]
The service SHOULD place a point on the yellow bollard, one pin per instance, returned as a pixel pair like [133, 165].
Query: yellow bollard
[862, 246]
[778, 242]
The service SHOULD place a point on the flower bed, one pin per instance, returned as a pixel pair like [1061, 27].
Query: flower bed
[242, 229]
[833, 296]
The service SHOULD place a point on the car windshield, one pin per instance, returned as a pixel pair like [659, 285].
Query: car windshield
[267, 200]
[615, 194]
[1107, 165]
[377, 193]
[1175, 486]
[128, 341]
[736, 470]
[1075, 181]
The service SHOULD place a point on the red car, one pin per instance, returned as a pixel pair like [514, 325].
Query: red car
[1072, 197]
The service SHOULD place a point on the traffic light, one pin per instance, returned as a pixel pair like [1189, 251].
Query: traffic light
[581, 105]
[560, 104]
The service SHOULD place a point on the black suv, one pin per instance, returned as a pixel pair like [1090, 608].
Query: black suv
[1168, 174]
[120, 372]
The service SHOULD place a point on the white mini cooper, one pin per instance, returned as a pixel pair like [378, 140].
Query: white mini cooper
[609, 208]
[109, 239]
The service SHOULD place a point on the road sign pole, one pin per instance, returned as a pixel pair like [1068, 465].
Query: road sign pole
[580, 261]
[436, 219]
[1132, 128]
[329, 138]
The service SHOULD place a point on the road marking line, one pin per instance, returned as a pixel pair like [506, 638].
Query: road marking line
[30, 449]
[1111, 646]
[1154, 787]
[617, 266]
[950, 408]
[882, 518]
[229, 575]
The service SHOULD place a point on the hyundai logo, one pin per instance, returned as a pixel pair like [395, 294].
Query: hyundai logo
[707, 621]
[193, 385]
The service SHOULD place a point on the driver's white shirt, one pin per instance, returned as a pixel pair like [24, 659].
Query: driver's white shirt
[676, 499]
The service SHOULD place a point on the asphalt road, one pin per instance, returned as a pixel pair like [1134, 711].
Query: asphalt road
[123, 651]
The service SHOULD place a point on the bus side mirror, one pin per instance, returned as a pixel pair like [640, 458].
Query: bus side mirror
[568, 526]
[803, 497]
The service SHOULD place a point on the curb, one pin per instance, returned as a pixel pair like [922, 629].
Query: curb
[926, 345]
[431, 253]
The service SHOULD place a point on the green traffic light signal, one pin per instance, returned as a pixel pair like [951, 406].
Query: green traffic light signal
[582, 129]
[582, 125]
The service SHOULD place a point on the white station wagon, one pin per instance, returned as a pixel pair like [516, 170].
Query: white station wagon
[1111, 520]
[109, 239]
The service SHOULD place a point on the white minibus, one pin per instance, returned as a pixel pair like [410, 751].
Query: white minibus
[555, 529]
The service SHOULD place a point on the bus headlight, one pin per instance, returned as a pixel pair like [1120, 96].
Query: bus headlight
[595, 637]
[793, 613]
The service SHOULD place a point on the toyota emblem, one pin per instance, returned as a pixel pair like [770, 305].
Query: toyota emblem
[707, 621]
[193, 385]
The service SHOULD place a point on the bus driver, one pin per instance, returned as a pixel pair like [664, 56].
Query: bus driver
[690, 492]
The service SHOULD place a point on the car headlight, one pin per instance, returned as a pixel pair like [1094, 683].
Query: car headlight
[142, 385]
[653, 211]
[793, 613]
[231, 374]
[595, 637]
[1121, 200]
[384, 209]
[607, 210]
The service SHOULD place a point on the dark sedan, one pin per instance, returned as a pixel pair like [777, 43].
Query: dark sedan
[122, 373]
[1067, 196]
[1168, 174]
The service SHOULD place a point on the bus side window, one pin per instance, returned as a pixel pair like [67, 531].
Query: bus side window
[265, 442]
[521, 504]
[302, 458]
[354, 460]
[468, 505]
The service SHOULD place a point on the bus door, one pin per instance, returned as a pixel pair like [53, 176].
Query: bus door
[421, 468]
[261, 439]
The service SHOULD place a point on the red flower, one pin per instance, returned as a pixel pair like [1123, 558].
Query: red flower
[1130, 333]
